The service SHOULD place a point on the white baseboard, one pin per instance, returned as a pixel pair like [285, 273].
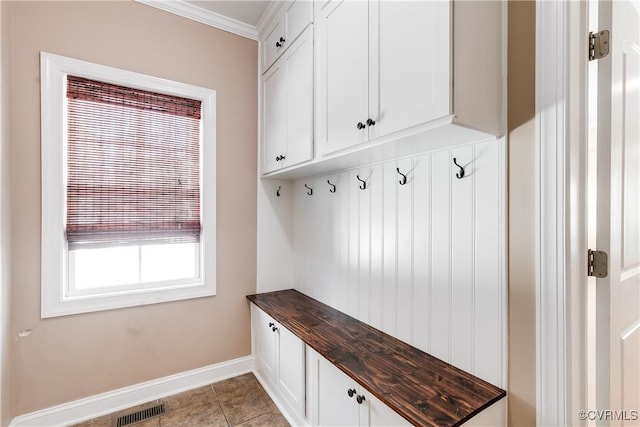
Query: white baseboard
[116, 400]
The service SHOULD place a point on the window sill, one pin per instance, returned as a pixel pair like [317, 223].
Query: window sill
[88, 304]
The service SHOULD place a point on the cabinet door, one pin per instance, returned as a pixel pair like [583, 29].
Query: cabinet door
[274, 117]
[376, 414]
[272, 46]
[298, 63]
[265, 340]
[298, 14]
[342, 40]
[409, 64]
[335, 406]
[290, 374]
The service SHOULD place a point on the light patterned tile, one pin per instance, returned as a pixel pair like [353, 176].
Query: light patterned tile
[242, 399]
[197, 414]
[202, 394]
[270, 419]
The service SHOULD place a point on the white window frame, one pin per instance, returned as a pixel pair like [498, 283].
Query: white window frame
[54, 300]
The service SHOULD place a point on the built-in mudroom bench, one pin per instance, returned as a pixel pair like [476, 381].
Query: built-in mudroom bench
[327, 368]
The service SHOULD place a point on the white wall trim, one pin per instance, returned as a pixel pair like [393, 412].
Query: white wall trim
[116, 400]
[550, 213]
[560, 218]
[204, 16]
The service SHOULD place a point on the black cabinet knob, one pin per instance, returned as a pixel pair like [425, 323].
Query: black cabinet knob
[271, 324]
[277, 158]
[278, 44]
[282, 157]
[351, 392]
[282, 40]
[274, 329]
[370, 122]
[360, 399]
[360, 125]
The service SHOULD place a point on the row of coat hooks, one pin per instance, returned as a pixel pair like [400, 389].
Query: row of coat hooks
[363, 183]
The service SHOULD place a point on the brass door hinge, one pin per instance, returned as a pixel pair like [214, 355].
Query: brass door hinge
[598, 45]
[597, 264]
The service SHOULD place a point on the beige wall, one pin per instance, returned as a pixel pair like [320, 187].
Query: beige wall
[521, 114]
[71, 357]
[6, 369]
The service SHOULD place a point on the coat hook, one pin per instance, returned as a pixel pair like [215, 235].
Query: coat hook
[460, 174]
[332, 190]
[364, 183]
[403, 181]
[310, 192]
[278, 191]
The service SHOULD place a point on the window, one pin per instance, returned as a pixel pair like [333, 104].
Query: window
[126, 218]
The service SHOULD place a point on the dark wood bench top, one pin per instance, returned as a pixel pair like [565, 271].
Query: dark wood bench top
[423, 389]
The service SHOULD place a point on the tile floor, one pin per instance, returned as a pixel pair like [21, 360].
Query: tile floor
[239, 401]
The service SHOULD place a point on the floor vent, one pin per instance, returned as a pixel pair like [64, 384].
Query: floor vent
[154, 411]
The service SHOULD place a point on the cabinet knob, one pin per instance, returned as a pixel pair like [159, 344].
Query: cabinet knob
[278, 44]
[278, 158]
[282, 40]
[360, 399]
[360, 125]
[271, 324]
[370, 122]
[282, 157]
[274, 329]
[351, 392]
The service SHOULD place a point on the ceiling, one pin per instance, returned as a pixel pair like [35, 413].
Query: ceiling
[245, 11]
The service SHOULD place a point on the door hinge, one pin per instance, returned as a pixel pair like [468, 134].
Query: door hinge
[598, 45]
[597, 263]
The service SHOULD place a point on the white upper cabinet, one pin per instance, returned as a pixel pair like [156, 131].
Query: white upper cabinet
[392, 78]
[342, 67]
[288, 106]
[383, 66]
[292, 19]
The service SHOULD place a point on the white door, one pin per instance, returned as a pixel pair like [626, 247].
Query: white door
[274, 116]
[298, 63]
[618, 216]
[380, 415]
[265, 339]
[342, 41]
[337, 406]
[291, 368]
[408, 52]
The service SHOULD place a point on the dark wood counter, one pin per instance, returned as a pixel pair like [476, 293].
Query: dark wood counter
[423, 389]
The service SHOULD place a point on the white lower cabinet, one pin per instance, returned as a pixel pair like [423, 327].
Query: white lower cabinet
[337, 400]
[280, 359]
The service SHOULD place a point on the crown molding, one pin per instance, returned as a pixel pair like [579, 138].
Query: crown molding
[204, 16]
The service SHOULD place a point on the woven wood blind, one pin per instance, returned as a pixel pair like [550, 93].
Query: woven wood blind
[133, 166]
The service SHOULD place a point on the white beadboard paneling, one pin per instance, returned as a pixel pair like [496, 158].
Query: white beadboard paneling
[376, 283]
[490, 290]
[441, 174]
[462, 248]
[424, 261]
[390, 253]
[405, 253]
[343, 193]
[354, 243]
[364, 244]
[420, 181]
